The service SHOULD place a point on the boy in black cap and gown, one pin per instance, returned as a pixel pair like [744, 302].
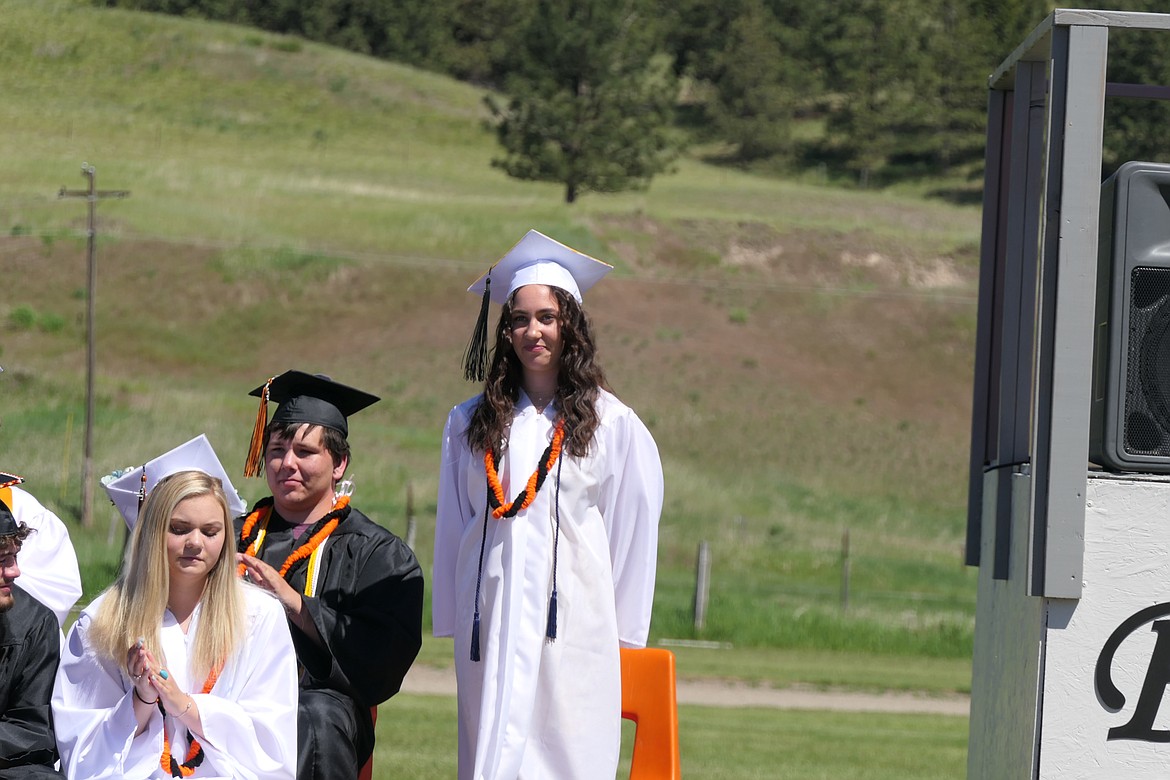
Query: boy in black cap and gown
[352, 590]
[30, 647]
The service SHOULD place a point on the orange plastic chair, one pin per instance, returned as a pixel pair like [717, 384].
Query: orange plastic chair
[367, 772]
[648, 699]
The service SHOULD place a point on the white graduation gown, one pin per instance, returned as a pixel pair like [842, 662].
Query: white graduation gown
[48, 564]
[249, 718]
[533, 708]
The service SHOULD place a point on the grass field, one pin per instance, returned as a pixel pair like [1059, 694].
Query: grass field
[416, 735]
[801, 353]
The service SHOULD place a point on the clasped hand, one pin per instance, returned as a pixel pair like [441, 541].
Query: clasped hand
[152, 683]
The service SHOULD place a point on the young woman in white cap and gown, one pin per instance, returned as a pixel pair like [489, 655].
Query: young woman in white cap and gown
[550, 492]
[53, 577]
[178, 669]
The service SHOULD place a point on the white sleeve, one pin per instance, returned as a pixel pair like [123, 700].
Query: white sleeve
[252, 726]
[48, 563]
[93, 715]
[631, 503]
[452, 509]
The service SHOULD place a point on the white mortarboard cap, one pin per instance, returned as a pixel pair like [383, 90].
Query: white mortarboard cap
[538, 259]
[535, 259]
[196, 455]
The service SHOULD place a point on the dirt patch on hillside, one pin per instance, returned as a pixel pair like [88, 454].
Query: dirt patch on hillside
[838, 316]
[755, 253]
[851, 320]
[729, 344]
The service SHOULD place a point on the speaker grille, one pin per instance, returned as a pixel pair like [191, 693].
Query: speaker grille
[1147, 396]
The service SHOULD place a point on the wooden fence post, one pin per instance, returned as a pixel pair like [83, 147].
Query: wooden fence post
[845, 565]
[411, 523]
[702, 585]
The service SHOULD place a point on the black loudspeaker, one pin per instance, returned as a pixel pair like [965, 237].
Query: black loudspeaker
[1130, 428]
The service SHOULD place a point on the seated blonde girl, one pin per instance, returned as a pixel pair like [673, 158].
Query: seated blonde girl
[179, 669]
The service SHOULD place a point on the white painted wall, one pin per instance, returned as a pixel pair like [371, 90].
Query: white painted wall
[1127, 568]
[1035, 708]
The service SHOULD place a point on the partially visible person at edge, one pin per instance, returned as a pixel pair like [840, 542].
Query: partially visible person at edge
[540, 591]
[30, 645]
[52, 576]
[178, 668]
[352, 590]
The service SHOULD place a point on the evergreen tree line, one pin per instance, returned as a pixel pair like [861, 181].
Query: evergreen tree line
[601, 94]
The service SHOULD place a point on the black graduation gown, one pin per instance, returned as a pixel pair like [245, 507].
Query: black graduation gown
[30, 649]
[367, 609]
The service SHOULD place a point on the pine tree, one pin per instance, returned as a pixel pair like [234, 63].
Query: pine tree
[755, 82]
[872, 49]
[592, 98]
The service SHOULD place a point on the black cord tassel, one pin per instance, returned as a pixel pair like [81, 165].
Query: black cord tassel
[475, 638]
[475, 359]
[478, 584]
[551, 630]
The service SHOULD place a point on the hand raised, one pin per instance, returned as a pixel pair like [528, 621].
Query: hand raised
[264, 576]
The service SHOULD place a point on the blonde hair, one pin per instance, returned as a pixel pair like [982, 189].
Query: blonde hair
[133, 606]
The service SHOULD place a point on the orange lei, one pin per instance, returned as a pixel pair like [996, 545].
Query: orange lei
[525, 499]
[305, 550]
[195, 751]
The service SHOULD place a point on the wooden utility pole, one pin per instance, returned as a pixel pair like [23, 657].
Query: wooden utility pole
[92, 195]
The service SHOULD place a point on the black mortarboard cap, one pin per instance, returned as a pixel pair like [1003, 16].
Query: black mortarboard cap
[8, 526]
[304, 398]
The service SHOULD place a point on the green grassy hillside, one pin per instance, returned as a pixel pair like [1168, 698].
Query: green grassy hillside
[801, 354]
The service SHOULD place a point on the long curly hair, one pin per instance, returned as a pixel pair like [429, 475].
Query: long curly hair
[579, 379]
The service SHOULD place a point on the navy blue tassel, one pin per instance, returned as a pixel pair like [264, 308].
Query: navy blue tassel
[551, 630]
[475, 639]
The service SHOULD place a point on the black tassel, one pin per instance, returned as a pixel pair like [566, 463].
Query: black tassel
[141, 492]
[551, 630]
[475, 359]
[475, 639]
